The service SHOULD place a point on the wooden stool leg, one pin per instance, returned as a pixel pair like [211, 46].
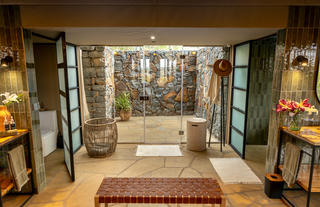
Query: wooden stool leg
[223, 201]
[96, 201]
[105, 205]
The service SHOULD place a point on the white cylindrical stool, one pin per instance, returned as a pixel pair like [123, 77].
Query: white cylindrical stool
[196, 134]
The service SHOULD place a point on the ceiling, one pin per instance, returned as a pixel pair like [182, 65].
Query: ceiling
[164, 36]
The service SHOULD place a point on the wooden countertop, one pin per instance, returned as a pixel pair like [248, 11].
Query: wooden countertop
[5, 140]
[310, 134]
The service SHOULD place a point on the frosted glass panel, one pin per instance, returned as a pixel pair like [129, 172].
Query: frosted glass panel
[72, 77]
[74, 102]
[240, 77]
[239, 99]
[62, 83]
[237, 140]
[71, 55]
[59, 51]
[76, 140]
[65, 133]
[75, 119]
[238, 120]
[63, 106]
[242, 55]
[67, 158]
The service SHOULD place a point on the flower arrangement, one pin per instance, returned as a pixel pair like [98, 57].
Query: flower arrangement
[11, 98]
[295, 109]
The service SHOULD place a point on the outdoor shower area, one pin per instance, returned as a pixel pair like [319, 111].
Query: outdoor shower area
[166, 85]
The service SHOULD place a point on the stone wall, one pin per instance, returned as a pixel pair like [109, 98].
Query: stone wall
[205, 59]
[98, 71]
[162, 80]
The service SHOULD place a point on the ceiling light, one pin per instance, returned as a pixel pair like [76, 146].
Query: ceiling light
[152, 37]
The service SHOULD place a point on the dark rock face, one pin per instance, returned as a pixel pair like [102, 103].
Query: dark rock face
[205, 59]
[161, 79]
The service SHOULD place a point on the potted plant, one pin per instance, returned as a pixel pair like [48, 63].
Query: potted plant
[294, 110]
[123, 104]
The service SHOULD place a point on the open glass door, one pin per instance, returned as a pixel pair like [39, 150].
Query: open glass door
[239, 106]
[69, 101]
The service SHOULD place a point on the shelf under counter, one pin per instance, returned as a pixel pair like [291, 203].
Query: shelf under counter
[303, 177]
[7, 183]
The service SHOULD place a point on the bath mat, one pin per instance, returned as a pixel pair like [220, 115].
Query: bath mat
[158, 150]
[234, 171]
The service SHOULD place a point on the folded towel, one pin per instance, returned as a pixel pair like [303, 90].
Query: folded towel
[291, 164]
[214, 88]
[17, 166]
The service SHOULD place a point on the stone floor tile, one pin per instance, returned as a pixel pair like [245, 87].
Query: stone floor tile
[83, 195]
[190, 173]
[143, 166]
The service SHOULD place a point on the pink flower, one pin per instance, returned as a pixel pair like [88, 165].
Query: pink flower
[305, 103]
[282, 101]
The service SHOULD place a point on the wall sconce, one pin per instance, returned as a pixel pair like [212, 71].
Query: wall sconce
[300, 61]
[6, 61]
[193, 52]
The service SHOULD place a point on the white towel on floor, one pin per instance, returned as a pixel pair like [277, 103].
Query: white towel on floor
[17, 166]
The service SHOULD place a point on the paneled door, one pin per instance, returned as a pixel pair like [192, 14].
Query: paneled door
[69, 101]
[239, 98]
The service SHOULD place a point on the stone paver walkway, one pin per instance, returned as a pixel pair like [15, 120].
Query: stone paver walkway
[60, 192]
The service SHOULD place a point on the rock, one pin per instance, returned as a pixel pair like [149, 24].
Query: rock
[98, 62]
[135, 94]
[96, 54]
[170, 106]
[121, 86]
[86, 62]
[100, 81]
[168, 95]
[185, 96]
[101, 48]
[87, 48]
[99, 87]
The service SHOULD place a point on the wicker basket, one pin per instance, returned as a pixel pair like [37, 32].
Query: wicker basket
[100, 136]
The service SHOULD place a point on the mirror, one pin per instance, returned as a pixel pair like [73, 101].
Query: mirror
[318, 79]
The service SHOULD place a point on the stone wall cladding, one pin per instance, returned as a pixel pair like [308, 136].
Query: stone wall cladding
[205, 59]
[163, 82]
[97, 62]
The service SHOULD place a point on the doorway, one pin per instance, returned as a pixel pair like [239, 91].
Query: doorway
[161, 83]
[57, 83]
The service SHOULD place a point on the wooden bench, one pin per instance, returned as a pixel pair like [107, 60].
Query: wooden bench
[160, 190]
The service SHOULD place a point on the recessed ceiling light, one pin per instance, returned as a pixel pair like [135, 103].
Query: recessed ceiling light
[152, 37]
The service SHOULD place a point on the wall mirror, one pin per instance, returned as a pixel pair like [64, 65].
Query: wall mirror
[318, 78]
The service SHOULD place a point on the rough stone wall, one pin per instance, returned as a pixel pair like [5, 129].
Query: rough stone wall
[98, 72]
[162, 80]
[205, 59]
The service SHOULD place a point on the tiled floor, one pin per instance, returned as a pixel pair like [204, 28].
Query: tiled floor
[123, 163]
[159, 129]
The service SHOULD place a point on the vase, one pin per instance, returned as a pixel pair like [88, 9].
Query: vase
[295, 122]
[4, 114]
[125, 115]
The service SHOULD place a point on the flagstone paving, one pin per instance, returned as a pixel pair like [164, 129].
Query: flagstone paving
[61, 192]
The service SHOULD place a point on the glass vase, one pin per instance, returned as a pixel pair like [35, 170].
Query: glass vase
[295, 122]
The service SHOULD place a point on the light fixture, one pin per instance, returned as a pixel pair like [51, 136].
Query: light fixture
[115, 53]
[153, 38]
[193, 52]
[300, 60]
[6, 61]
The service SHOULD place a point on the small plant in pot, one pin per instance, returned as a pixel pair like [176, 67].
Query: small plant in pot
[123, 104]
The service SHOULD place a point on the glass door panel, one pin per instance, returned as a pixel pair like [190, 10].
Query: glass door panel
[64, 104]
[69, 101]
[239, 98]
[130, 75]
[162, 86]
